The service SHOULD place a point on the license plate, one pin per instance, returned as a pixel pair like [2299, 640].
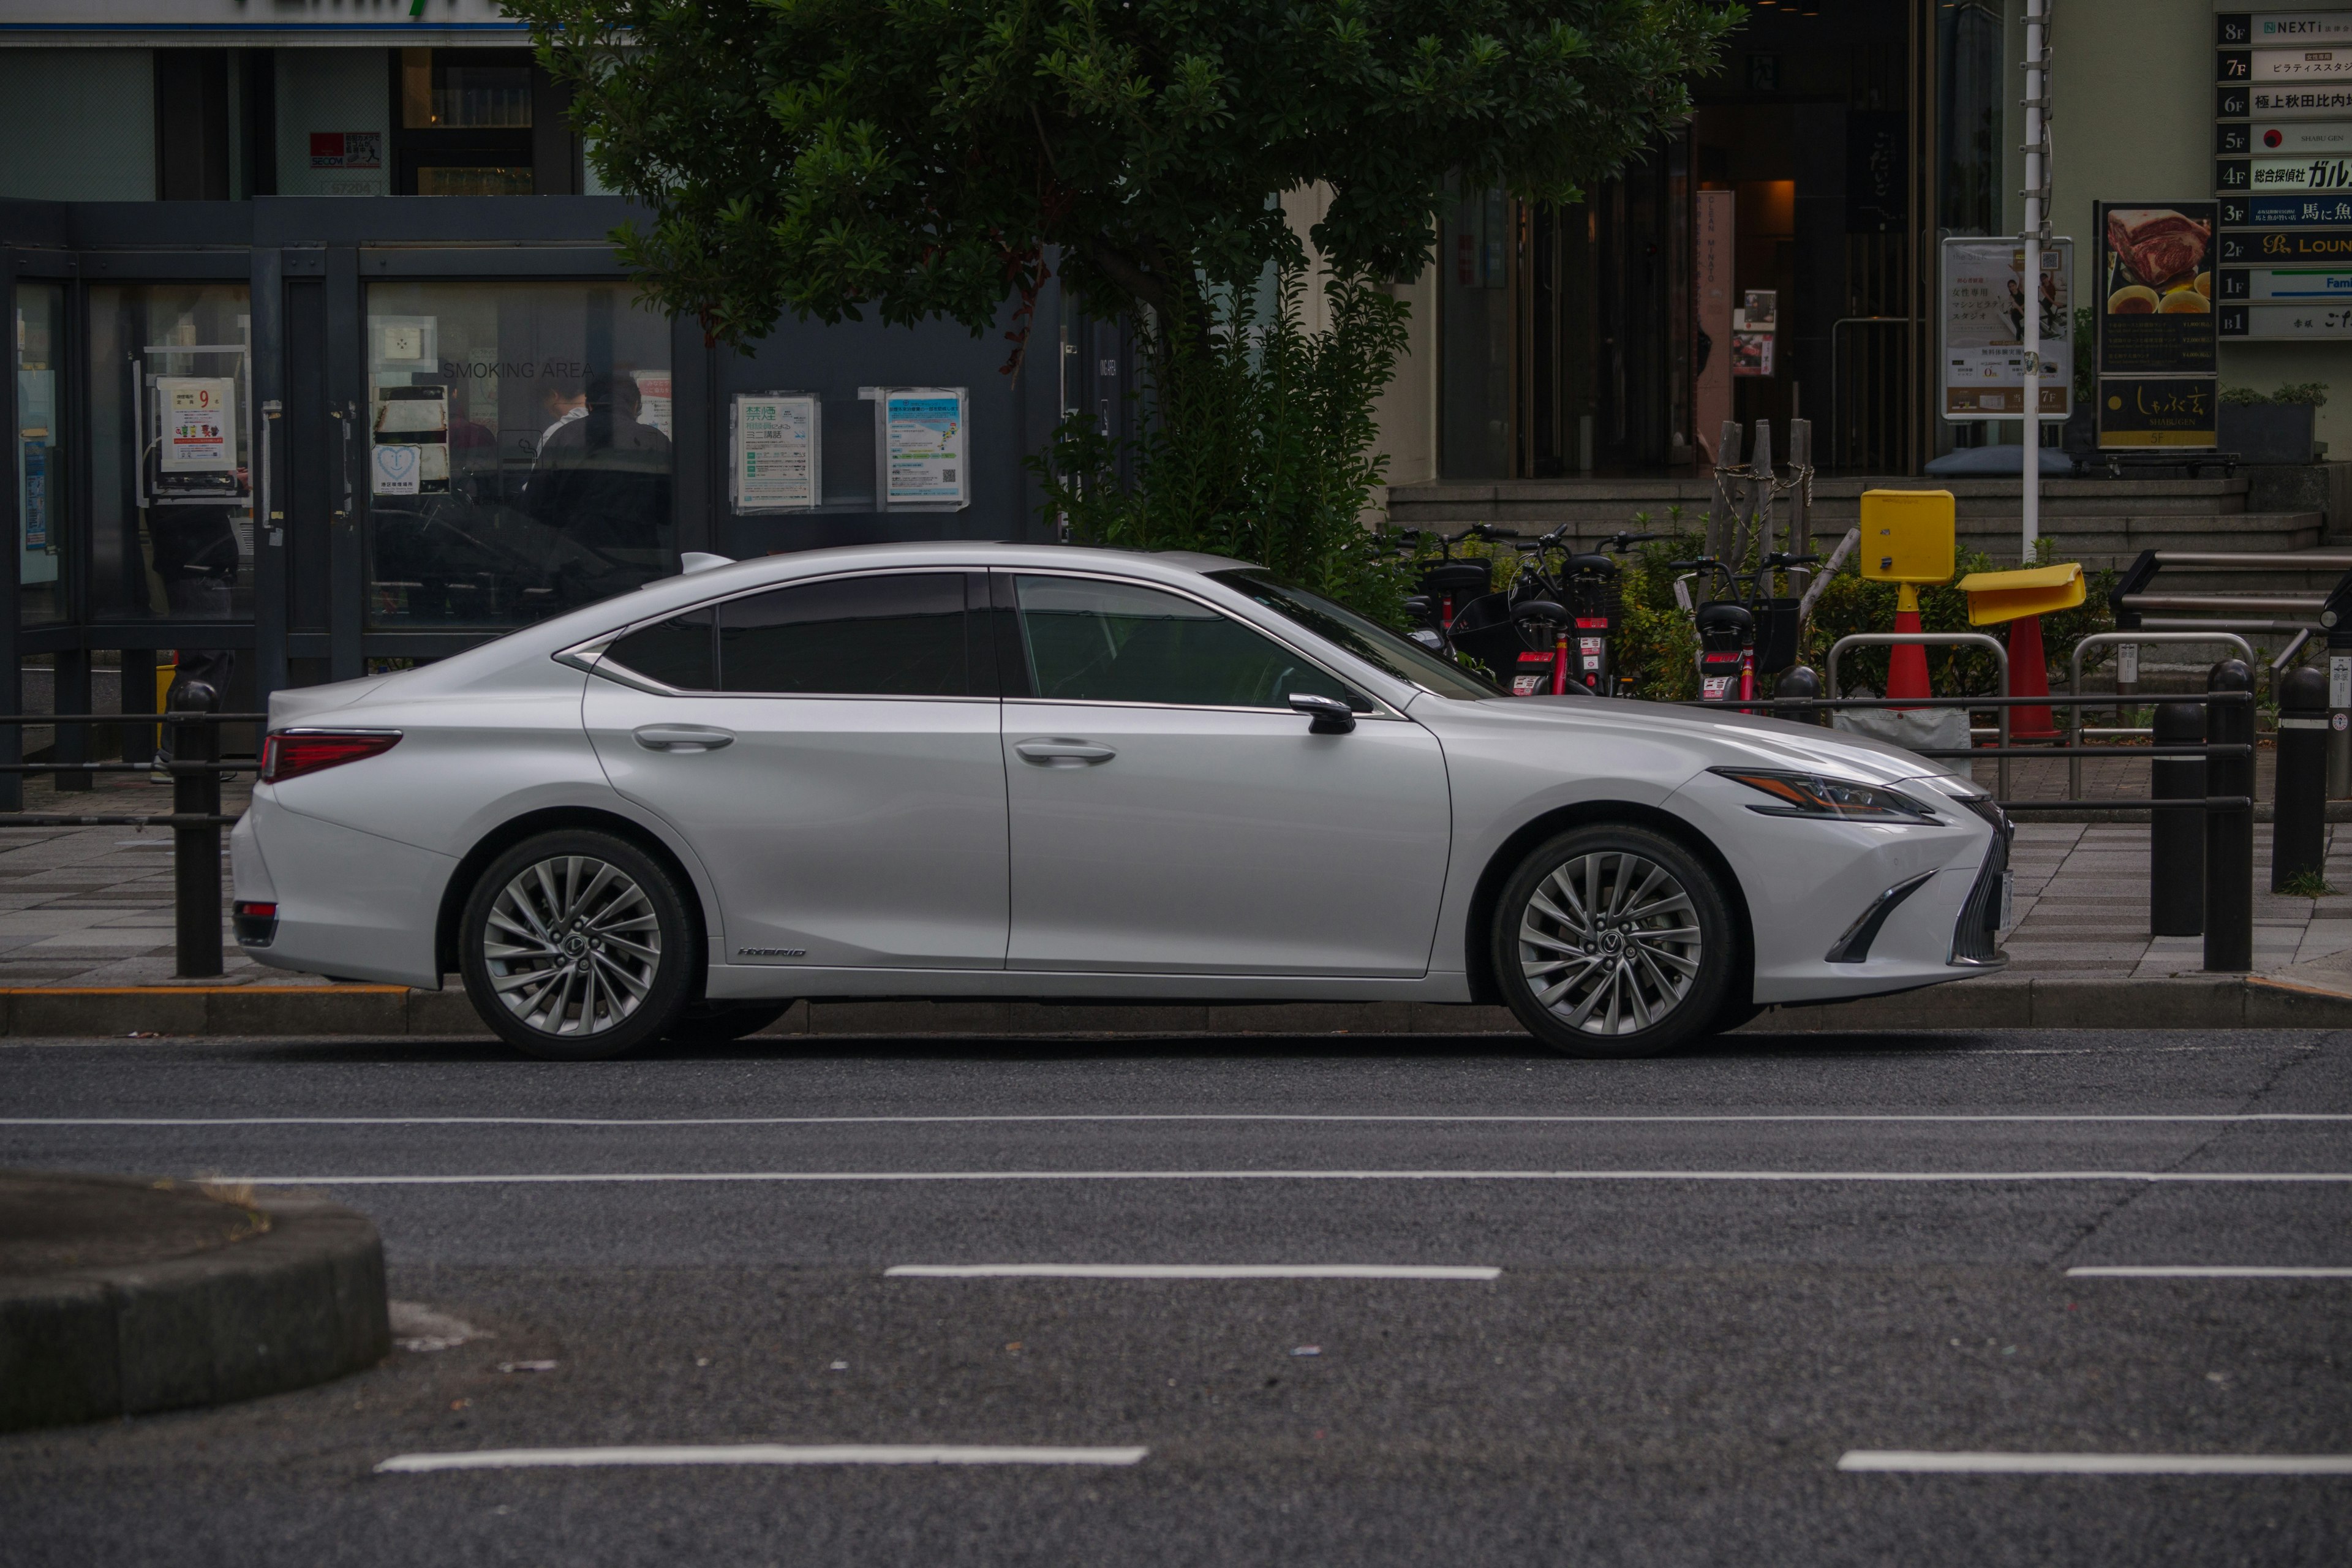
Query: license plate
[2008, 898]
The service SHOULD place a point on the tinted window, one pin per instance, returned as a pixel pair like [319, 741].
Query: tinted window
[880, 636]
[1093, 641]
[1367, 640]
[678, 652]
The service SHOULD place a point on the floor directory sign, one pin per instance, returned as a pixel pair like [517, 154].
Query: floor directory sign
[923, 431]
[777, 452]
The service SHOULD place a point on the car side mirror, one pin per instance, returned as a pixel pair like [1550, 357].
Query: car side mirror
[1331, 716]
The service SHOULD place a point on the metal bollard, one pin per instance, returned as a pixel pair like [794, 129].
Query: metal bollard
[2299, 798]
[195, 850]
[2229, 831]
[1798, 681]
[2176, 850]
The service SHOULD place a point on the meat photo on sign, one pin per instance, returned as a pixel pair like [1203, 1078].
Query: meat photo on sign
[2159, 268]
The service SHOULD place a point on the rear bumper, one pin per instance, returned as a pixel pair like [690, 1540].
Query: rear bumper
[349, 903]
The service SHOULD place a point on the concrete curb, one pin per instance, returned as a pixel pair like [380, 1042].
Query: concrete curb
[386, 1012]
[300, 1304]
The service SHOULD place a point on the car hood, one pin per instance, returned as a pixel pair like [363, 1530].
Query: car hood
[1715, 739]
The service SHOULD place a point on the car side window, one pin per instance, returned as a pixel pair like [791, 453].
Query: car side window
[682, 651]
[1089, 640]
[898, 635]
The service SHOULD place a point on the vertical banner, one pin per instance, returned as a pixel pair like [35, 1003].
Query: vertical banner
[775, 463]
[1984, 329]
[922, 447]
[1711, 281]
[2158, 368]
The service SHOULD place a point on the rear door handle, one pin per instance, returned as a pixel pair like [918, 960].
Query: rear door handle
[1064, 754]
[682, 738]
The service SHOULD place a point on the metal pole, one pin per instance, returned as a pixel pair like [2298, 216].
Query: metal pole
[2176, 839]
[2230, 830]
[1800, 500]
[2299, 795]
[195, 850]
[2037, 176]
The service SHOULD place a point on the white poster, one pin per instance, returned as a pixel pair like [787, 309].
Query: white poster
[1984, 329]
[653, 398]
[398, 470]
[923, 445]
[199, 415]
[776, 451]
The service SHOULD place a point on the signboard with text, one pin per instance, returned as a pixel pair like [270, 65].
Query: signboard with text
[2158, 361]
[1984, 329]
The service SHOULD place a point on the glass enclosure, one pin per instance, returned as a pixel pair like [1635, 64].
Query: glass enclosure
[519, 458]
[41, 509]
[171, 419]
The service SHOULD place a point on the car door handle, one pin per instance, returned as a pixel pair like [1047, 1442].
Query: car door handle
[682, 738]
[1064, 754]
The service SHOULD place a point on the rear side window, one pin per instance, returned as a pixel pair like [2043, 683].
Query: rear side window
[682, 652]
[855, 636]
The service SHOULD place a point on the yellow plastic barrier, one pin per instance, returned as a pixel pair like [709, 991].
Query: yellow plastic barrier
[1907, 536]
[1997, 596]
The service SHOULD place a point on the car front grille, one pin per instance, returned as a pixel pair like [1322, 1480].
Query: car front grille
[1976, 939]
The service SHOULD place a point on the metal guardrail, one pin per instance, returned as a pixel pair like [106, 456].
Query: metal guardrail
[2105, 639]
[1932, 639]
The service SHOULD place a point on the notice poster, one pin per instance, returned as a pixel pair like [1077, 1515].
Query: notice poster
[776, 452]
[654, 399]
[1984, 329]
[396, 470]
[2156, 289]
[199, 424]
[923, 447]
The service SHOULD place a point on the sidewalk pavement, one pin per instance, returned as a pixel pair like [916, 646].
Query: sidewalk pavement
[87, 909]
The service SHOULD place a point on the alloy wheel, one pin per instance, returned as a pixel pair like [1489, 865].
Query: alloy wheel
[1609, 942]
[572, 945]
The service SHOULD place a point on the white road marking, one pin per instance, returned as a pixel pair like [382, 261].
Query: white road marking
[1187, 1272]
[2203, 1272]
[1910, 1461]
[624, 1177]
[755, 1454]
[1016, 1120]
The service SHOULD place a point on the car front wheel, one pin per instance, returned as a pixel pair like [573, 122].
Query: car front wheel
[1614, 941]
[576, 946]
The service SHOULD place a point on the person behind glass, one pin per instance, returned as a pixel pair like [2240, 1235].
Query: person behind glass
[195, 554]
[602, 481]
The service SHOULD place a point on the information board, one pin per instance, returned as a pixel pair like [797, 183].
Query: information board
[778, 456]
[923, 445]
[199, 424]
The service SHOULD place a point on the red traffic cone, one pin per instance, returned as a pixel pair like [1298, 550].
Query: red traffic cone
[2029, 676]
[1906, 663]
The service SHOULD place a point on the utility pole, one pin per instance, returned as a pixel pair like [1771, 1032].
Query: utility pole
[2037, 231]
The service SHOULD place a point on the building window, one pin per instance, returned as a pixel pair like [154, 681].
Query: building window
[1970, 101]
[466, 123]
[518, 455]
[170, 433]
[41, 509]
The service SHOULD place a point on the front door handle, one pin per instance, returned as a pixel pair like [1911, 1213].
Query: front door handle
[682, 738]
[1059, 754]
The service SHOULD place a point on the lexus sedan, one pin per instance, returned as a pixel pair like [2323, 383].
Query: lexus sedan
[1039, 772]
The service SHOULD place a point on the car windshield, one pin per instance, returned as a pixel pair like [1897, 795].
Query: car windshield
[1367, 640]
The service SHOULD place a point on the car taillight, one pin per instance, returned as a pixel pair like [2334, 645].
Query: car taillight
[290, 753]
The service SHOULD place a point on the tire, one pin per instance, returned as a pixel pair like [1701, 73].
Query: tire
[716, 1022]
[577, 945]
[1657, 969]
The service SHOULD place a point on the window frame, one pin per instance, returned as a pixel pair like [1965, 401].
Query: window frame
[589, 655]
[1379, 708]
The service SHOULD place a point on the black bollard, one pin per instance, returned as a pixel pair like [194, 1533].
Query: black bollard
[196, 849]
[2230, 830]
[1798, 681]
[2175, 848]
[2299, 798]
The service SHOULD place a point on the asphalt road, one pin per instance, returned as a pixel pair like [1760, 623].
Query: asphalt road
[1718, 1275]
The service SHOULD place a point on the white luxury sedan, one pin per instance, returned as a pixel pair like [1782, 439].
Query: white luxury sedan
[1013, 771]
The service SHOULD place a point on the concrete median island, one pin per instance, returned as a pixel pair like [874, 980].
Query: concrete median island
[120, 1296]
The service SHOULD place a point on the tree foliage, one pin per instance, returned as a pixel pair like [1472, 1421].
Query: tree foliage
[931, 158]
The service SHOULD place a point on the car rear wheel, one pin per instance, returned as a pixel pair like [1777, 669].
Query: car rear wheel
[1614, 941]
[716, 1022]
[576, 946]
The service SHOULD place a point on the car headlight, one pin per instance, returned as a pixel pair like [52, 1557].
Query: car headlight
[1812, 794]
[1973, 796]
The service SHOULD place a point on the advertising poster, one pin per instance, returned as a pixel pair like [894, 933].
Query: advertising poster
[1984, 329]
[2156, 289]
[923, 447]
[199, 424]
[776, 452]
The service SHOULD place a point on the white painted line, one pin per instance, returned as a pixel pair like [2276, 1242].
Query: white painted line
[654, 1177]
[2203, 1272]
[1913, 1462]
[1187, 1272]
[754, 1454]
[1210, 1117]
